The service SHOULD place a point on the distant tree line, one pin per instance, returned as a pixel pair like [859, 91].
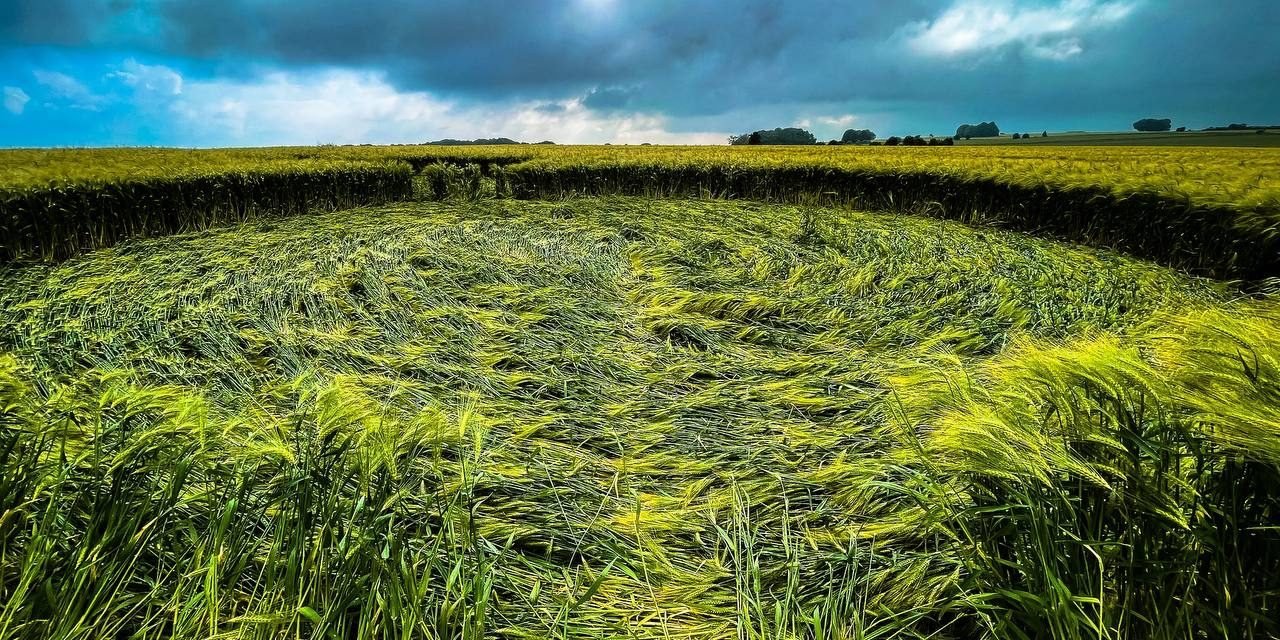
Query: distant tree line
[918, 141]
[1240, 126]
[981, 130]
[797, 136]
[789, 135]
[452, 142]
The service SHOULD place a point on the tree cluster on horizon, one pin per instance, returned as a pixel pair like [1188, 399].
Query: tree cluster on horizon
[855, 136]
[981, 130]
[788, 135]
[1153, 124]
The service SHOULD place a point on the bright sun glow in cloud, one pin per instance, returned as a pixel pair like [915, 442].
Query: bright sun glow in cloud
[598, 9]
[1051, 32]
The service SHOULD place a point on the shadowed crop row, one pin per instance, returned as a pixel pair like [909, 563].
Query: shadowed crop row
[1210, 211]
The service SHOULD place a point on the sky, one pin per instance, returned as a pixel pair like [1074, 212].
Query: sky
[202, 73]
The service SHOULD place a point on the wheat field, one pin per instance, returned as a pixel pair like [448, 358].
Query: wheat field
[632, 417]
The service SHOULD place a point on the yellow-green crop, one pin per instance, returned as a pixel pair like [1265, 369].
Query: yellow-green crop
[632, 417]
[1212, 211]
[1244, 178]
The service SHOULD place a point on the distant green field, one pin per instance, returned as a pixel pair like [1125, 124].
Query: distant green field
[1250, 138]
[631, 417]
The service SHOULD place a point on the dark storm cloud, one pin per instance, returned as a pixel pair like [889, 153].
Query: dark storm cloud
[700, 56]
[609, 98]
[449, 46]
[696, 60]
[58, 22]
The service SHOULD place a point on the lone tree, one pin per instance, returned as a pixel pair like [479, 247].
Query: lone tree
[855, 136]
[1153, 124]
[983, 130]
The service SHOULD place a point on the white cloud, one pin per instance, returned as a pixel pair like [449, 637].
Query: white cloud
[342, 106]
[576, 124]
[281, 108]
[155, 79]
[972, 26]
[15, 100]
[65, 87]
[838, 121]
[1059, 50]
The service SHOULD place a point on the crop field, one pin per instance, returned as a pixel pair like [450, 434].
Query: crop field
[659, 392]
[1245, 178]
[1215, 212]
